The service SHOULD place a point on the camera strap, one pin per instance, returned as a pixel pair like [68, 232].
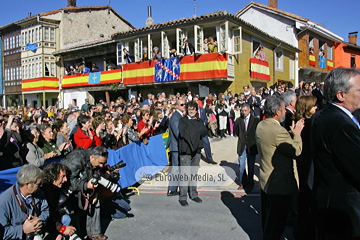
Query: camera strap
[22, 205]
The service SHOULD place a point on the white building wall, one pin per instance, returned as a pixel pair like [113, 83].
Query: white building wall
[78, 95]
[275, 25]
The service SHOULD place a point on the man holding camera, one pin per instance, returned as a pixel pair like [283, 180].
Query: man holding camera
[57, 194]
[23, 208]
[83, 164]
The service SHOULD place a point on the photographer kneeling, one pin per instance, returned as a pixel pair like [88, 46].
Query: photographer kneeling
[84, 164]
[57, 194]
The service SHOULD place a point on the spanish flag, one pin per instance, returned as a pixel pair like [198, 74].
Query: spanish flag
[330, 64]
[37, 84]
[312, 60]
[197, 67]
[259, 69]
[81, 80]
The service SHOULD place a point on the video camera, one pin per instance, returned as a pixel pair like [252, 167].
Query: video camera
[107, 177]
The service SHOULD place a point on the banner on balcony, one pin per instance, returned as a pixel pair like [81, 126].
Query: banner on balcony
[312, 60]
[330, 64]
[167, 69]
[197, 67]
[322, 62]
[37, 84]
[94, 77]
[259, 69]
[97, 78]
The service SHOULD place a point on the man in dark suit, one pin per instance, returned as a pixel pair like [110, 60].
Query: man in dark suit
[335, 142]
[289, 98]
[278, 175]
[173, 146]
[205, 139]
[255, 104]
[245, 128]
[191, 131]
[317, 92]
[188, 48]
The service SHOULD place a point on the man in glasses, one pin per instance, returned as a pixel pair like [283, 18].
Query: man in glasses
[23, 207]
[173, 146]
[83, 164]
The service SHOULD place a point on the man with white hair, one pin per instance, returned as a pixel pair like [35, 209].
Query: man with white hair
[23, 207]
[289, 98]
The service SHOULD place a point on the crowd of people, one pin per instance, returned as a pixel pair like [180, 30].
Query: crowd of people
[281, 124]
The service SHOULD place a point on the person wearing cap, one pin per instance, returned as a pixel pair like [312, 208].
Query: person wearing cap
[85, 106]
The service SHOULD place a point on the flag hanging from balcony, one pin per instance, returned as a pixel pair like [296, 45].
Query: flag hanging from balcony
[259, 69]
[94, 77]
[32, 47]
[330, 64]
[167, 69]
[322, 62]
[312, 60]
[197, 67]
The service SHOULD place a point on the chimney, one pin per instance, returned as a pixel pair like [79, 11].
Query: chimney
[273, 3]
[149, 20]
[71, 3]
[353, 38]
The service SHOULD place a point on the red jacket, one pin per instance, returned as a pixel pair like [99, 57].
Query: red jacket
[148, 133]
[84, 141]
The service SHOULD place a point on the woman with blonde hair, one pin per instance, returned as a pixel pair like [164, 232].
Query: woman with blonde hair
[212, 45]
[305, 107]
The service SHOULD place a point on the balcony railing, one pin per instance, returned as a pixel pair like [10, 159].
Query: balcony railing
[198, 67]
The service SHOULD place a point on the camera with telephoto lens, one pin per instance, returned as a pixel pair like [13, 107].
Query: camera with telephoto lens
[74, 237]
[102, 177]
[34, 236]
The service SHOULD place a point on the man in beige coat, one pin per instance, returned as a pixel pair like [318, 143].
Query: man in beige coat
[278, 175]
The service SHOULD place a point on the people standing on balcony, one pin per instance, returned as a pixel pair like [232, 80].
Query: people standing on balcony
[128, 58]
[311, 51]
[145, 55]
[156, 54]
[173, 52]
[94, 68]
[110, 66]
[213, 46]
[205, 46]
[260, 53]
[188, 48]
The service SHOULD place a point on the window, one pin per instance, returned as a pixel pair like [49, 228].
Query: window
[311, 41]
[52, 70]
[18, 40]
[19, 72]
[255, 46]
[236, 39]
[292, 67]
[26, 72]
[138, 49]
[279, 60]
[26, 38]
[150, 45]
[353, 61]
[329, 52]
[199, 39]
[52, 34]
[119, 53]
[223, 41]
[37, 34]
[46, 33]
[37, 70]
[40, 34]
[32, 36]
[164, 45]
[180, 35]
[22, 39]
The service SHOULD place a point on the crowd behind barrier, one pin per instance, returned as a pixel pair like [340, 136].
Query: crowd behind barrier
[139, 132]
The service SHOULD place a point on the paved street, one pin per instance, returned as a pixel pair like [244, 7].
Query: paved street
[226, 213]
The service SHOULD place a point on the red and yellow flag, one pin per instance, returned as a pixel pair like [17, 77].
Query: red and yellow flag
[329, 64]
[312, 60]
[37, 84]
[80, 80]
[259, 69]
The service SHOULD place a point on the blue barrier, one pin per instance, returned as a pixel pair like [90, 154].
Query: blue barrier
[136, 155]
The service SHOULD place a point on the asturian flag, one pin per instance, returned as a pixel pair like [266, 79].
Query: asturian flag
[94, 77]
[167, 70]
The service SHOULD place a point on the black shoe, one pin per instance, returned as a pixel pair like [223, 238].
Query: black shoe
[197, 200]
[172, 193]
[183, 203]
[212, 162]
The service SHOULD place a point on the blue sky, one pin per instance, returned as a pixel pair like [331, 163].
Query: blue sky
[341, 17]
